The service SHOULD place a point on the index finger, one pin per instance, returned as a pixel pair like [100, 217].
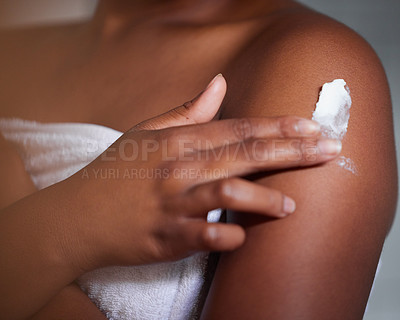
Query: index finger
[215, 134]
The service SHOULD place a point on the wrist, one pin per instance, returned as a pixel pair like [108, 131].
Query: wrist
[76, 235]
[35, 250]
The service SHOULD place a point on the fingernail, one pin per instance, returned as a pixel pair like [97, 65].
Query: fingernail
[307, 127]
[289, 206]
[213, 80]
[329, 146]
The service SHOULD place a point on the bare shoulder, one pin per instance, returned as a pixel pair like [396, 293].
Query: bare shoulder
[320, 262]
[282, 73]
[302, 50]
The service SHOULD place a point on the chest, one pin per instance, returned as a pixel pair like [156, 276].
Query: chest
[117, 85]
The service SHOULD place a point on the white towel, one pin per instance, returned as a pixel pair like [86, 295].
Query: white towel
[53, 152]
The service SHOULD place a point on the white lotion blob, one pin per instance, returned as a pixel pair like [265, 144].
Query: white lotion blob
[332, 112]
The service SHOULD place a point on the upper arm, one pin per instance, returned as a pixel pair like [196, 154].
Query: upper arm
[320, 262]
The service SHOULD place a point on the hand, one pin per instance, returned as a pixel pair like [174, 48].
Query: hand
[154, 186]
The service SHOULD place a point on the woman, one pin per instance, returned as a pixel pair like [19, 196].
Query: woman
[133, 61]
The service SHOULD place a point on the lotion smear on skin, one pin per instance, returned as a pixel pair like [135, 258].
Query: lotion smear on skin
[332, 112]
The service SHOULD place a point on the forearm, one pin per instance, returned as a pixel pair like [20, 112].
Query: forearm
[35, 241]
[15, 181]
[70, 303]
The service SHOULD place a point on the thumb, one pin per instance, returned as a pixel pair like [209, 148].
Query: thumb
[201, 109]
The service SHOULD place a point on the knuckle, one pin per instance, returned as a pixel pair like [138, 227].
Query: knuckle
[286, 125]
[167, 165]
[224, 190]
[210, 236]
[295, 151]
[261, 150]
[309, 150]
[188, 104]
[181, 112]
[243, 128]
[168, 134]
[297, 146]
[169, 139]
[163, 179]
[151, 135]
[157, 241]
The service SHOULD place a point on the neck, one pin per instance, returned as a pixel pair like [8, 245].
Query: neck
[114, 15]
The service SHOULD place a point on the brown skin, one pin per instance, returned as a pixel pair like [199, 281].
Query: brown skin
[70, 303]
[18, 183]
[53, 236]
[319, 263]
[275, 62]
